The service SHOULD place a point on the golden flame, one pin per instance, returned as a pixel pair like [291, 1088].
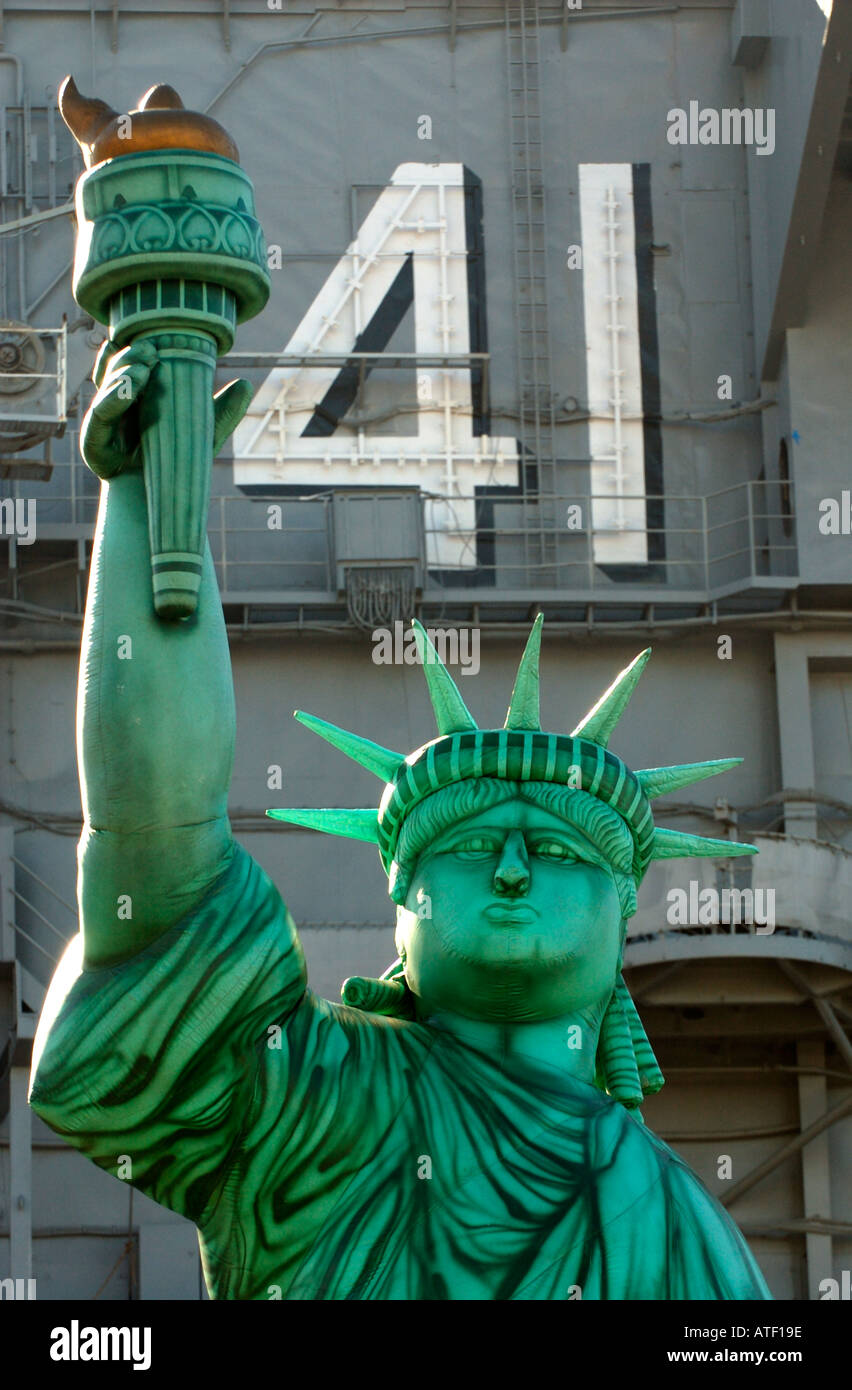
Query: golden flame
[160, 122]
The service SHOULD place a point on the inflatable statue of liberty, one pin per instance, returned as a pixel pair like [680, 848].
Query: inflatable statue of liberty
[467, 1127]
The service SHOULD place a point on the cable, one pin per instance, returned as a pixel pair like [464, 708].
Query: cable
[580, 415]
[378, 597]
[56, 824]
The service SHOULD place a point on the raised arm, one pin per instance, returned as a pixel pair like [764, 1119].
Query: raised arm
[153, 1050]
[155, 707]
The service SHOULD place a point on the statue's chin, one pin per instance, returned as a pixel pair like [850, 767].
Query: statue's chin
[504, 975]
[501, 992]
[526, 948]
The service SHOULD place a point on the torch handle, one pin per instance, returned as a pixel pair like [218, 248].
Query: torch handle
[176, 430]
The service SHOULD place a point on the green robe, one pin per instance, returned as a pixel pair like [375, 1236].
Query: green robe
[325, 1153]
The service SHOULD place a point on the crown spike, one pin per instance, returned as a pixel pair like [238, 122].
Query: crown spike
[451, 713]
[677, 844]
[356, 825]
[382, 762]
[603, 717]
[524, 710]
[657, 781]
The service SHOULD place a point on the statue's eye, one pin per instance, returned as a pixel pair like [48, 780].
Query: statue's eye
[556, 850]
[477, 846]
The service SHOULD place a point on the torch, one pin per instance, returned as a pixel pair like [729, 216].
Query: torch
[168, 249]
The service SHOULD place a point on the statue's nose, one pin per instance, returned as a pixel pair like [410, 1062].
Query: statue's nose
[511, 878]
[513, 872]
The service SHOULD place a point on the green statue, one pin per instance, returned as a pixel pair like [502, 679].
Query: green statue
[467, 1127]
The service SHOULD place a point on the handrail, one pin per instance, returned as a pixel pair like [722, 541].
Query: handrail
[706, 543]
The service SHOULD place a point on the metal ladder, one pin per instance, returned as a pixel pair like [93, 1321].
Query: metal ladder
[529, 242]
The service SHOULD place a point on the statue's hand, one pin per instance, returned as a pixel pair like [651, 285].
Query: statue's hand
[109, 436]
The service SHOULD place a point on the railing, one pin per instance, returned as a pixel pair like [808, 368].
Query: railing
[727, 539]
[33, 375]
[270, 548]
[288, 549]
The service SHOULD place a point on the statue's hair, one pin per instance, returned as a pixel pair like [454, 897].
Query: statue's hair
[610, 842]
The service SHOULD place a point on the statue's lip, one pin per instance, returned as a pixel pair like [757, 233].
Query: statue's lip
[511, 912]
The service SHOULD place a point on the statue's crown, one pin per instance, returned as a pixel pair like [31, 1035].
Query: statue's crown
[519, 752]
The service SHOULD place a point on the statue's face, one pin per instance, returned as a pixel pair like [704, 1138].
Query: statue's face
[509, 918]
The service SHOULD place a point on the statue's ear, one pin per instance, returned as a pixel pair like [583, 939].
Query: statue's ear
[398, 881]
[626, 886]
[620, 966]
